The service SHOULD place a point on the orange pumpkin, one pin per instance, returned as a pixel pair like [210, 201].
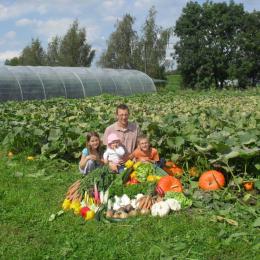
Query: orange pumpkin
[211, 180]
[169, 183]
[176, 171]
[249, 185]
[172, 169]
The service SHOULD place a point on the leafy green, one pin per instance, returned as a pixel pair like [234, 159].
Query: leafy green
[144, 170]
[180, 197]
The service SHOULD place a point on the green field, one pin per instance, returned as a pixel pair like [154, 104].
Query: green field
[208, 130]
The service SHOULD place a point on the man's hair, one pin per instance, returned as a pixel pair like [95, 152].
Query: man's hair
[123, 107]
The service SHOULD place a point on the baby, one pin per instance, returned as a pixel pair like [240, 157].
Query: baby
[114, 153]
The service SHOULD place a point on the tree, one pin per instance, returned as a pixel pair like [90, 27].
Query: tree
[121, 46]
[53, 52]
[153, 42]
[208, 42]
[32, 54]
[246, 63]
[74, 49]
[13, 62]
[70, 50]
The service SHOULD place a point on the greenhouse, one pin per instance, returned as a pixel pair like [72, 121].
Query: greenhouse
[43, 82]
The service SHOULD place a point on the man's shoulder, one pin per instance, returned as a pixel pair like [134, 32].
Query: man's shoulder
[133, 126]
[111, 127]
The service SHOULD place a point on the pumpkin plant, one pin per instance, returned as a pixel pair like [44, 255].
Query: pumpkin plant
[211, 180]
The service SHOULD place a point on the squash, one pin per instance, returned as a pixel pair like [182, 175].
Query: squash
[169, 183]
[211, 180]
[248, 185]
[172, 169]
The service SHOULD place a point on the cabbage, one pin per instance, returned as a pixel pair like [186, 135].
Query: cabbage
[143, 170]
[180, 197]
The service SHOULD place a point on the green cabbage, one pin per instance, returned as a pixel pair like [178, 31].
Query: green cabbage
[180, 197]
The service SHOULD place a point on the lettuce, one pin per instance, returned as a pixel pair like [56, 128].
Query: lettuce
[180, 197]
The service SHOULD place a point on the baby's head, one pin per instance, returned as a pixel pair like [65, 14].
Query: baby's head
[143, 143]
[113, 141]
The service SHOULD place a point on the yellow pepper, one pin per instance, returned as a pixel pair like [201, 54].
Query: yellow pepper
[136, 165]
[151, 178]
[75, 204]
[129, 164]
[90, 215]
[133, 175]
[66, 204]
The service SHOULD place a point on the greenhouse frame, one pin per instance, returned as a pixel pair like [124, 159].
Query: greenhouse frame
[44, 82]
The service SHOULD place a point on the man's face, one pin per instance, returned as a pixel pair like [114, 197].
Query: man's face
[122, 116]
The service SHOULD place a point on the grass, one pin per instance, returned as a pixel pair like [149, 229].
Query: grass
[33, 190]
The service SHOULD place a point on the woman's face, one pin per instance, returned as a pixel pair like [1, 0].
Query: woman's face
[144, 145]
[94, 142]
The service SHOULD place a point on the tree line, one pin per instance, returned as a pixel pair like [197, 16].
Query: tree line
[218, 44]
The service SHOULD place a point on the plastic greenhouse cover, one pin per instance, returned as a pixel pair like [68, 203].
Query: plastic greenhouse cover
[43, 82]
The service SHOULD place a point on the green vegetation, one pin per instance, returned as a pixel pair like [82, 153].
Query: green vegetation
[218, 130]
[31, 191]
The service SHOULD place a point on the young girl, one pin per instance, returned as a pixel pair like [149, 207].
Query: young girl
[144, 152]
[91, 155]
[114, 153]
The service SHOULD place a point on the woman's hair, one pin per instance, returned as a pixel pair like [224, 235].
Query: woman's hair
[88, 137]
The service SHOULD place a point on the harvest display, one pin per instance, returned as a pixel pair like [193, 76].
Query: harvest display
[141, 189]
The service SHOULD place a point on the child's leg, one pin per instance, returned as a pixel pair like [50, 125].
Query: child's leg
[91, 165]
[120, 168]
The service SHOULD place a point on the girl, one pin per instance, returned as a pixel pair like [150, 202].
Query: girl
[114, 153]
[144, 152]
[91, 155]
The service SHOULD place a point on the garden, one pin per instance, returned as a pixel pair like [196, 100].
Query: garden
[49, 211]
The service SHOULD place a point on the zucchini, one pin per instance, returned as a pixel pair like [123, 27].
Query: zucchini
[125, 174]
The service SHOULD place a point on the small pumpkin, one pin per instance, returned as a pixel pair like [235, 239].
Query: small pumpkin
[193, 172]
[176, 171]
[169, 183]
[249, 185]
[211, 180]
[172, 169]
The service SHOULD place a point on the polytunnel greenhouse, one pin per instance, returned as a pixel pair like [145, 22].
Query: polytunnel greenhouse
[43, 82]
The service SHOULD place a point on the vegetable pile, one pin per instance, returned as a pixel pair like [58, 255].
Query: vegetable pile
[107, 196]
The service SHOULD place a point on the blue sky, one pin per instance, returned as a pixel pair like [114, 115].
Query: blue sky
[23, 20]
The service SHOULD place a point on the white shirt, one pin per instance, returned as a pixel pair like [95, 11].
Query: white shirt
[114, 155]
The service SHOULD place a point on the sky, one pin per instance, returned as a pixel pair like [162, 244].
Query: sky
[22, 20]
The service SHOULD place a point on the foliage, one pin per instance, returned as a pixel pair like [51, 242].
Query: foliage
[216, 45]
[154, 40]
[28, 199]
[210, 130]
[121, 46]
[145, 52]
[33, 55]
[70, 50]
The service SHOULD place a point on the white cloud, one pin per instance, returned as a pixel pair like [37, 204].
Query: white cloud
[111, 18]
[9, 55]
[24, 22]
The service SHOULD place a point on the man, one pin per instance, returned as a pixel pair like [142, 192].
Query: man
[126, 131]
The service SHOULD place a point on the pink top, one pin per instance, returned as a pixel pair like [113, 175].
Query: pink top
[128, 136]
